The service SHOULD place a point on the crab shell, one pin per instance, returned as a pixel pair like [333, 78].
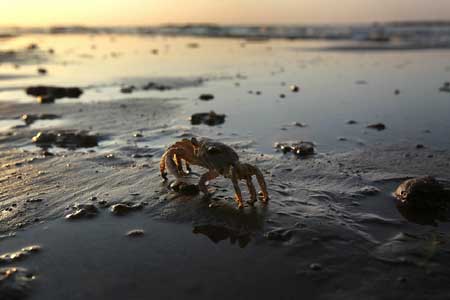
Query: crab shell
[215, 156]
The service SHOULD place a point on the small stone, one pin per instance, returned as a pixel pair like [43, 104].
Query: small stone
[315, 267]
[294, 88]
[65, 139]
[420, 146]
[303, 149]
[369, 190]
[210, 118]
[206, 97]
[185, 188]
[123, 208]
[42, 71]
[135, 233]
[298, 124]
[377, 126]
[352, 122]
[54, 92]
[82, 211]
[127, 89]
[32, 46]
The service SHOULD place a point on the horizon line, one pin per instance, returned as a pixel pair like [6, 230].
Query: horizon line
[224, 24]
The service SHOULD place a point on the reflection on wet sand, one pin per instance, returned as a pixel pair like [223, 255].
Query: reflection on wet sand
[219, 233]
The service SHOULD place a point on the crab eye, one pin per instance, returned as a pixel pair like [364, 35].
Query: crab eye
[212, 150]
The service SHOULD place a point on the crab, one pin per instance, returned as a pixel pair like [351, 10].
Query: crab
[219, 159]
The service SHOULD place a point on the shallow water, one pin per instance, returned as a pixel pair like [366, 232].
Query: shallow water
[329, 91]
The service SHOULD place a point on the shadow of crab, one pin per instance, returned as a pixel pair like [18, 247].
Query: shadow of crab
[220, 233]
[216, 217]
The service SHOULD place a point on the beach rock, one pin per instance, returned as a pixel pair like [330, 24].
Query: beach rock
[121, 209]
[377, 126]
[315, 267]
[369, 190]
[82, 211]
[210, 119]
[156, 86]
[206, 97]
[298, 124]
[15, 283]
[42, 71]
[445, 87]
[352, 122]
[127, 89]
[294, 88]
[65, 139]
[300, 149]
[30, 118]
[285, 148]
[135, 233]
[15, 256]
[185, 188]
[32, 46]
[422, 193]
[303, 149]
[54, 92]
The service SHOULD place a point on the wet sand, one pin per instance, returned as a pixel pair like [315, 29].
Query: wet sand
[331, 230]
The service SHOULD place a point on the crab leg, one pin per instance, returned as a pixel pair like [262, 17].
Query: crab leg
[210, 175]
[179, 163]
[162, 166]
[167, 161]
[262, 183]
[234, 180]
[188, 166]
[251, 189]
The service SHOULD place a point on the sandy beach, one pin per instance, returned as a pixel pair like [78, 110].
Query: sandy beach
[332, 228]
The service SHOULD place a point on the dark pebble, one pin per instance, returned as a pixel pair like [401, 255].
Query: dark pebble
[206, 97]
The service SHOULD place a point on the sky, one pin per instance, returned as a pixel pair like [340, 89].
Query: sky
[152, 12]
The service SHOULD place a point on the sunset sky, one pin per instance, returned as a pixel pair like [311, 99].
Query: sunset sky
[142, 12]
